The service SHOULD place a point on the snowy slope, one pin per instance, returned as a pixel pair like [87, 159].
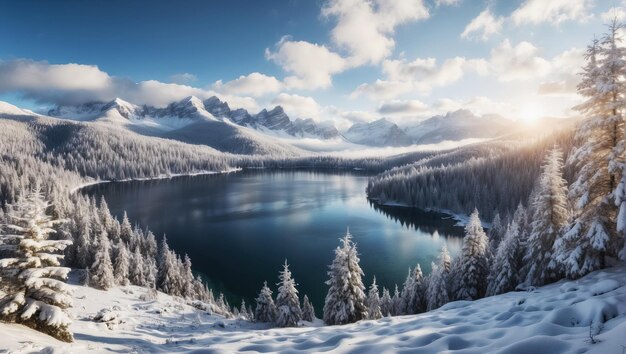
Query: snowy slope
[552, 319]
[377, 133]
[186, 120]
[9, 109]
[458, 125]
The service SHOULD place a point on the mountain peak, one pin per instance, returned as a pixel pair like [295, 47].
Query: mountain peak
[217, 107]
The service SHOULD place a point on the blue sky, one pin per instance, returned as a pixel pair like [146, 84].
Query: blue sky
[344, 60]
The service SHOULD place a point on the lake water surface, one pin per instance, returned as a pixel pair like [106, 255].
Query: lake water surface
[239, 228]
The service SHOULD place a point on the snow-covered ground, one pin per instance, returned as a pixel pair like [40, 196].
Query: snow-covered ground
[553, 319]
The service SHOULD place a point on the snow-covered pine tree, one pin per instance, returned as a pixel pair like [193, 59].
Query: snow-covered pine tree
[101, 271]
[105, 216]
[167, 270]
[151, 245]
[188, 279]
[32, 277]
[287, 301]
[265, 310]
[405, 294]
[473, 262]
[550, 214]
[345, 300]
[386, 304]
[373, 302]
[308, 311]
[413, 291]
[137, 273]
[397, 304]
[151, 272]
[505, 271]
[243, 310]
[438, 288]
[496, 232]
[126, 230]
[83, 248]
[121, 267]
[592, 235]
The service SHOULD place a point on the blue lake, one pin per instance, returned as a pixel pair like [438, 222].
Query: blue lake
[239, 228]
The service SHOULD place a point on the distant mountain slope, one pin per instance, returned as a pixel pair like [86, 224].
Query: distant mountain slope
[186, 120]
[458, 125]
[274, 120]
[377, 133]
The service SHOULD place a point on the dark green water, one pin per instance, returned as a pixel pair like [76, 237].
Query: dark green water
[239, 228]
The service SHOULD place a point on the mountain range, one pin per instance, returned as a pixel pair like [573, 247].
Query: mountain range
[213, 123]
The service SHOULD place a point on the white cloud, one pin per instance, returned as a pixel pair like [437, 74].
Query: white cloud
[183, 78]
[483, 26]
[38, 76]
[402, 107]
[254, 84]
[448, 2]
[552, 11]
[382, 90]
[565, 78]
[480, 105]
[312, 65]
[365, 28]
[77, 84]
[421, 75]
[297, 106]
[617, 12]
[521, 62]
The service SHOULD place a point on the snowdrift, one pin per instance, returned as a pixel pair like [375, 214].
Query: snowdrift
[565, 317]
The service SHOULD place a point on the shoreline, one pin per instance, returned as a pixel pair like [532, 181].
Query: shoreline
[461, 219]
[159, 177]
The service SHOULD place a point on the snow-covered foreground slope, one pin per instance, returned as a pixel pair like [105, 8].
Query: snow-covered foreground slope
[553, 319]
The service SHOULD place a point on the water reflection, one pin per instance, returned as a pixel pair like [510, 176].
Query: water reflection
[239, 228]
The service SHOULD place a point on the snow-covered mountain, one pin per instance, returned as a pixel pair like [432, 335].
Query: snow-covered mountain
[191, 109]
[186, 120]
[458, 125]
[377, 133]
[274, 120]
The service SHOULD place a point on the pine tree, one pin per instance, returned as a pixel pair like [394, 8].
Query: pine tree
[496, 233]
[386, 304]
[438, 289]
[151, 245]
[287, 301]
[397, 303]
[101, 271]
[106, 219]
[243, 310]
[122, 265]
[345, 300]
[137, 273]
[473, 263]
[373, 302]
[505, 272]
[188, 279]
[405, 295]
[167, 273]
[308, 312]
[126, 230]
[412, 292]
[550, 214]
[32, 277]
[265, 310]
[592, 235]
[83, 248]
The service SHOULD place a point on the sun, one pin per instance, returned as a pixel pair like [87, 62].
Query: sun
[530, 113]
